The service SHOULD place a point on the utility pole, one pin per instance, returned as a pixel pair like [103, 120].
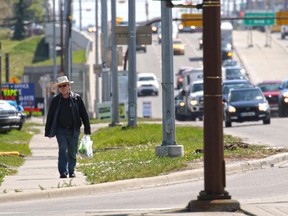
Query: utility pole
[106, 89]
[168, 146]
[80, 14]
[213, 197]
[114, 71]
[96, 56]
[132, 95]
[54, 44]
[7, 66]
[61, 38]
[0, 68]
[67, 53]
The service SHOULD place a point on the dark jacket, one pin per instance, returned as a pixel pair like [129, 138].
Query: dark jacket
[78, 111]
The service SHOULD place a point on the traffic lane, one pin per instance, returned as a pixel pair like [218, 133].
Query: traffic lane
[150, 62]
[273, 135]
[261, 185]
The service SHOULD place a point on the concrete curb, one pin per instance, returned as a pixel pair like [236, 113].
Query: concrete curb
[130, 184]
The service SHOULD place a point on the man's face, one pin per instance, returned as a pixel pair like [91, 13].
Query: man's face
[64, 88]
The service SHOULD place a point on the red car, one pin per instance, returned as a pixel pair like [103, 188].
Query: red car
[270, 89]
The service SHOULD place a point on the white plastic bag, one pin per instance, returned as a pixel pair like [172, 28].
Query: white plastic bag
[85, 146]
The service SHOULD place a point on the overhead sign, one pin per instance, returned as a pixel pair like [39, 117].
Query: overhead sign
[282, 18]
[143, 35]
[192, 20]
[259, 19]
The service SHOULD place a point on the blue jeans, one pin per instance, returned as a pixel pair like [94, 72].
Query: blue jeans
[68, 147]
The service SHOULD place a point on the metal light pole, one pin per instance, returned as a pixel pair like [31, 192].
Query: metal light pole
[114, 71]
[96, 56]
[213, 197]
[132, 95]
[0, 67]
[54, 43]
[106, 90]
[80, 15]
[168, 147]
[67, 53]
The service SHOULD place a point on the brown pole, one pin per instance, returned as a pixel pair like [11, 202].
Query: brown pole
[213, 197]
[214, 165]
[0, 67]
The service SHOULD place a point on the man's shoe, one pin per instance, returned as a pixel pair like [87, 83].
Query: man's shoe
[72, 175]
[63, 175]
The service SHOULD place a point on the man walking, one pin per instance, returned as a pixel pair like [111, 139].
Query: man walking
[65, 116]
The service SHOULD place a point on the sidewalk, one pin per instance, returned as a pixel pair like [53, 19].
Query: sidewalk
[38, 178]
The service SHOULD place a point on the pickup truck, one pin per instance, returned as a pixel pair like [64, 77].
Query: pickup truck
[189, 103]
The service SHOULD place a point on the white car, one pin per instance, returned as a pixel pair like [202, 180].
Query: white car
[147, 84]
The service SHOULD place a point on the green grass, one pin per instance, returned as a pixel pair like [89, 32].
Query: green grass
[129, 152]
[32, 51]
[15, 140]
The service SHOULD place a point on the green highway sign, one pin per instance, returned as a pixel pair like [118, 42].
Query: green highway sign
[259, 19]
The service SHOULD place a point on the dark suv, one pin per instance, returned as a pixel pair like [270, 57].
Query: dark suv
[283, 99]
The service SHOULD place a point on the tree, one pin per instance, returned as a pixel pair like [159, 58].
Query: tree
[26, 12]
[19, 28]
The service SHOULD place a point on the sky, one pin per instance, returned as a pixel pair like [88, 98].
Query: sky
[88, 10]
[154, 10]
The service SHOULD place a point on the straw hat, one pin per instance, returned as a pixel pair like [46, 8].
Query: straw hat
[62, 80]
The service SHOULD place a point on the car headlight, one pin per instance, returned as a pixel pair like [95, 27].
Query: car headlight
[182, 103]
[231, 109]
[193, 102]
[263, 106]
[285, 94]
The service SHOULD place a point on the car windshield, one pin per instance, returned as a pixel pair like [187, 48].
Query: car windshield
[148, 78]
[266, 87]
[247, 95]
[196, 87]
[233, 72]
[230, 86]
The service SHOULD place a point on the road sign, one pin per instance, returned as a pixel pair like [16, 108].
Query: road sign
[282, 18]
[143, 35]
[192, 20]
[259, 19]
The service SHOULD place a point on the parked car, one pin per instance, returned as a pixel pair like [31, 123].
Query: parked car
[147, 84]
[247, 104]
[283, 99]
[10, 117]
[178, 47]
[270, 89]
[235, 72]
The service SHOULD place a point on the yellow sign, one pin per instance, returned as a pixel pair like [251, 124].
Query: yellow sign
[282, 18]
[14, 79]
[192, 20]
